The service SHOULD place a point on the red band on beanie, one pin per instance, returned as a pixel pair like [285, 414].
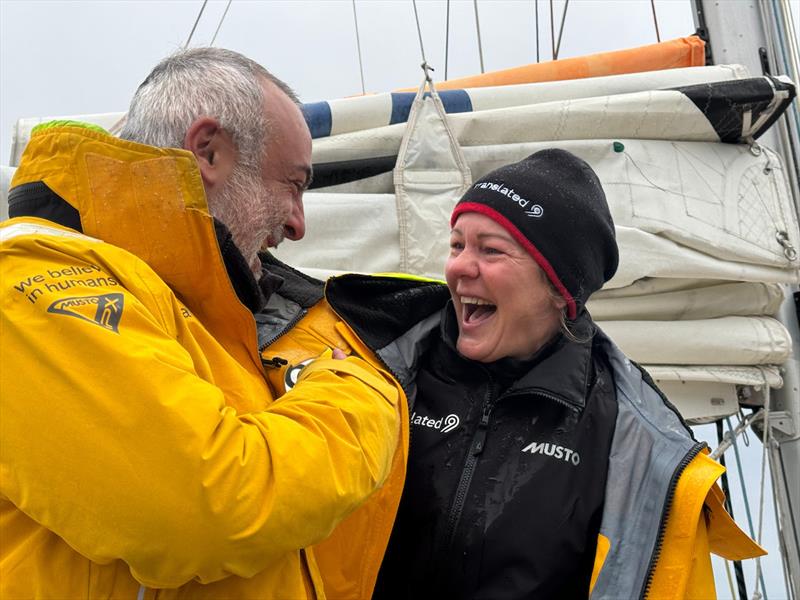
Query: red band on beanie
[524, 242]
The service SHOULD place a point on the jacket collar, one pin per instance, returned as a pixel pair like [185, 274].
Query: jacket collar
[561, 369]
[151, 202]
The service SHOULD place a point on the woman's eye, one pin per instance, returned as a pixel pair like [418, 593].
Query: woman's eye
[489, 250]
[456, 246]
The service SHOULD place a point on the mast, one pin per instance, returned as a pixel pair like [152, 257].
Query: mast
[755, 35]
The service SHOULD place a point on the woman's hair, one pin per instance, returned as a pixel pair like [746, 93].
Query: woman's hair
[564, 322]
[199, 82]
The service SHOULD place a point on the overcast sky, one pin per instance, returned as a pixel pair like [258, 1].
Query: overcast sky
[76, 57]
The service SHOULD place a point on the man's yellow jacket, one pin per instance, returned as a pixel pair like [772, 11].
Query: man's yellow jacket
[143, 452]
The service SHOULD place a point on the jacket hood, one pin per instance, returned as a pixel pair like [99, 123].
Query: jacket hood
[151, 202]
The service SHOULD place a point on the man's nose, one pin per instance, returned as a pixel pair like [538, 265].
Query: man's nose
[295, 227]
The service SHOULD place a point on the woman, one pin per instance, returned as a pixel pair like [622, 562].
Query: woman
[538, 452]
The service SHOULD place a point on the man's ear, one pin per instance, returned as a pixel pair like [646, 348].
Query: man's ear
[214, 150]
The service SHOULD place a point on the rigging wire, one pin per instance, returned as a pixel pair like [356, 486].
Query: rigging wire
[536, 17]
[224, 14]
[737, 564]
[478, 29]
[655, 20]
[552, 33]
[446, 39]
[744, 493]
[730, 578]
[775, 501]
[419, 33]
[196, 21]
[766, 441]
[358, 48]
[425, 66]
[561, 29]
[120, 124]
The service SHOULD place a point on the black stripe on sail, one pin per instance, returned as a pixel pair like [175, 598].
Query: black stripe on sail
[346, 171]
[725, 104]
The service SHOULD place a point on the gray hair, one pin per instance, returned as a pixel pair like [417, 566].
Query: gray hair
[199, 82]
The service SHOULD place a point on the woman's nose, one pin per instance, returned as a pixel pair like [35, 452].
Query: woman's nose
[464, 264]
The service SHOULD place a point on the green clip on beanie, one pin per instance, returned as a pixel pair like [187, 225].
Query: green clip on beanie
[553, 205]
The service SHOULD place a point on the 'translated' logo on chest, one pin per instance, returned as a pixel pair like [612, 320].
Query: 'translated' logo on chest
[443, 424]
[554, 450]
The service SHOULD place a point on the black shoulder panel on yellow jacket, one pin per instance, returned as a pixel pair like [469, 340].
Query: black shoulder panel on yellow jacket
[35, 199]
[380, 309]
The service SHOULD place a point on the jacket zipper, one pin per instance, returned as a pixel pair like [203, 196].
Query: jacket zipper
[475, 450]
[277, 361]
[662, 526]
[543, 394]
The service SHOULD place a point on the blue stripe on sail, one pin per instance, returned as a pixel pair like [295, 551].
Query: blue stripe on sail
[318, 118]
[454, 101]
[401, 106]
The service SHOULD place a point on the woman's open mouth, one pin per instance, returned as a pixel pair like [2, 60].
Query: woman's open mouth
[476, 310]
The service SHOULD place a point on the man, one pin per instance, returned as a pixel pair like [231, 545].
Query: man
[143, 452]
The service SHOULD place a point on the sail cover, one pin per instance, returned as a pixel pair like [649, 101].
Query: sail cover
[705, 220]
[706, 225]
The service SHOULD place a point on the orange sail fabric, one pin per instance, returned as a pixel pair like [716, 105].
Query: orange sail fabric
[680, 52]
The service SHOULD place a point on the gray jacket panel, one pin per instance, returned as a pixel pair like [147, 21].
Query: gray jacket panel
[650, 448]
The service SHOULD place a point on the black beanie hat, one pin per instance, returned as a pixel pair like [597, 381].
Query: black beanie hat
[553, 204]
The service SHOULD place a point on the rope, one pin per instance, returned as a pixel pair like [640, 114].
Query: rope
[744, 492]
[225, 14]
[446, 39]
[358, 47]
[196, 21]
[419, 33]
[730, 578]
[764, 454]
[781, 542]
[552, 33]
[561, 29]
[737, 564]
[478, 29]
[741, 428]
[536, 13]
[655, 19]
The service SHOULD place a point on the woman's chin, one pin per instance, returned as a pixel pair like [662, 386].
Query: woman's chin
[473, 350]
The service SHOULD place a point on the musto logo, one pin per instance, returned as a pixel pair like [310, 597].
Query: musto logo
[557, 452]
[443, 424]
[104, 310]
